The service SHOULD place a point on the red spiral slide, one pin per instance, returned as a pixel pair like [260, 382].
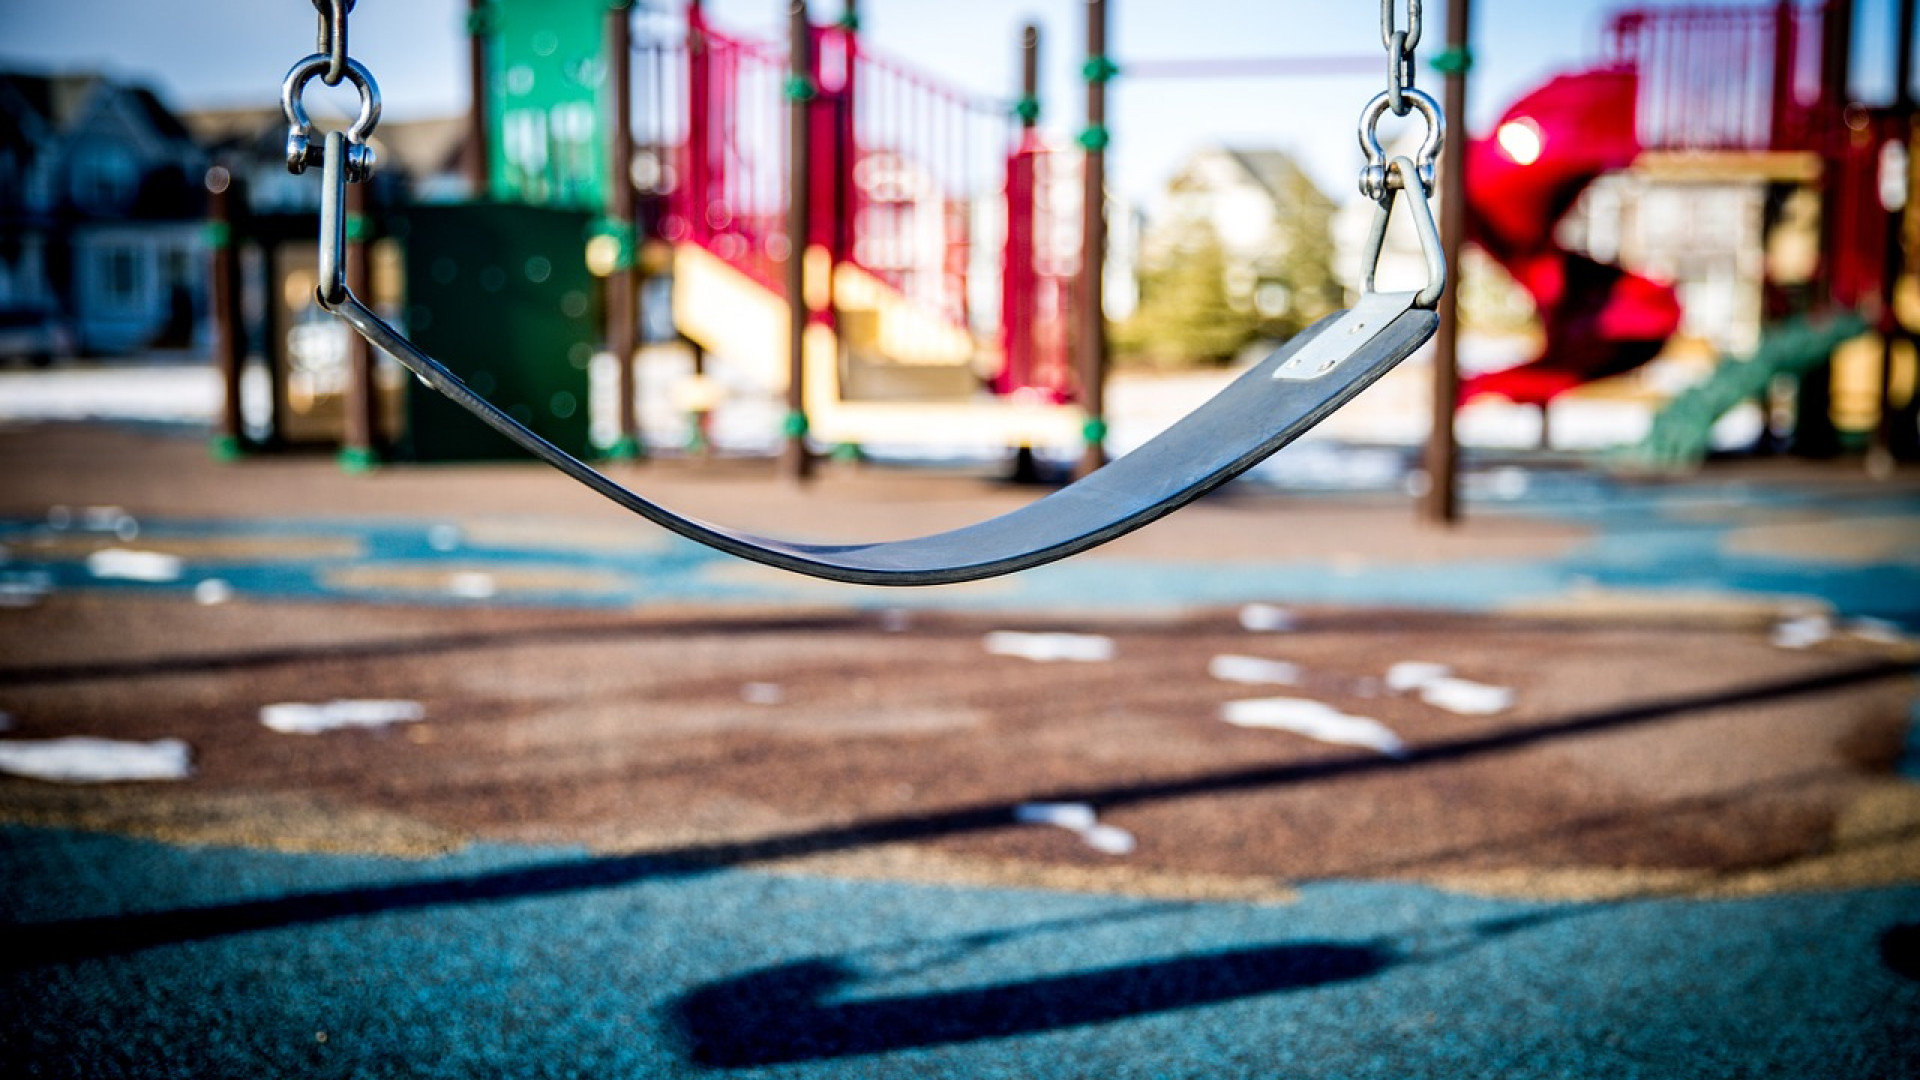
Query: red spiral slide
[1600, 320]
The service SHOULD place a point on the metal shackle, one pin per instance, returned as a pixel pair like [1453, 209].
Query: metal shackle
[1373, 178]
[302, 150]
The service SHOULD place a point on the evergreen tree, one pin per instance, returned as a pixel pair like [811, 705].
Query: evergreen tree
[1185, 315]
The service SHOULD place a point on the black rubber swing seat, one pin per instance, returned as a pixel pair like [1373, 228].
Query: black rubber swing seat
[1278, 400]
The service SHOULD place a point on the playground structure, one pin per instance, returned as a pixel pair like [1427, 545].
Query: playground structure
[1744, 94]
[911, 196]
[1287, 394]
[939, 281]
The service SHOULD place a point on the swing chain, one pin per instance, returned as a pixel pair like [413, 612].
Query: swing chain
[1399, 44]
[1400, 98]
[333, 37]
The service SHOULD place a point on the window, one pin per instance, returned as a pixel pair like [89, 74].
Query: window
[121, 280]
[104, 177]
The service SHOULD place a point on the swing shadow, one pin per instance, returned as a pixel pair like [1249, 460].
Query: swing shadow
[782, 1015]
[33, 944]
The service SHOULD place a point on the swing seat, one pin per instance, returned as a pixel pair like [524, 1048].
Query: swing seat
[1278, 400]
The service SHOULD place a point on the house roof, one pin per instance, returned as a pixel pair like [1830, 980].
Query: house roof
[1274, 170]
[418, 148]
[36, 105]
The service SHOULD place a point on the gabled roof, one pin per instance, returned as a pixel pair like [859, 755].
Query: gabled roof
[35, 107]
[1274, 170]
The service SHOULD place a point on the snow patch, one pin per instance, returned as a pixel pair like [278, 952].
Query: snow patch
[82, 760]
[763, 693]
[212, 592]
[1466, 697]
[1078, 818]
[472, 585]
[1051, 648]
[1314, 720]
[123, 564]
[1413, 674]
[298, 718]
[1267, 619]
[1439, 688]
[1254, 670]
[1803, 632]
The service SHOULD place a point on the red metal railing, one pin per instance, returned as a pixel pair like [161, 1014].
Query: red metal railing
[1722, 78]
[1750, 79]
[726, 149]
[926, 157]
[910, 182]
[1040, 272]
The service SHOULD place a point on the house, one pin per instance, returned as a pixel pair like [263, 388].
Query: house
[101, 213]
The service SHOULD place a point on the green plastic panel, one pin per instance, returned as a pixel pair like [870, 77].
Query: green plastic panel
[501, 294]
[549, 107]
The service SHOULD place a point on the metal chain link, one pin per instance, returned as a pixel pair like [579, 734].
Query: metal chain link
[1389, 24]
[1400, 44]
[333, 37]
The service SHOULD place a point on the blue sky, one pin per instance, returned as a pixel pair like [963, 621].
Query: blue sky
[229, 52]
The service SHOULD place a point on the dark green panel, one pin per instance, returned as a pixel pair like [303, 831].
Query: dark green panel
[500, 293]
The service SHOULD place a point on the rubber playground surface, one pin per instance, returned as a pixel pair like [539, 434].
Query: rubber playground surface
[658, 813]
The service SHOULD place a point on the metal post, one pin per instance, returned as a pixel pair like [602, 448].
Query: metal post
[1019, 282]
[623, 314]
[1886, 441]
[229, 329]
[1441, 504]
[699, 113]
[1814, 433]
[1093, 243]
[357, 453]
[795, 462]
[1030, 73]
[1782, 106]
[479, 154]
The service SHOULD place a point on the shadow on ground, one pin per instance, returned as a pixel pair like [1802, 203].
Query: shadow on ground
[782, 1014]
[27, 945]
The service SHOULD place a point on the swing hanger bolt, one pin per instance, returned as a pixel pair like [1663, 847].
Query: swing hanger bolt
[332, 64]
[303, 150]
[1375, 177]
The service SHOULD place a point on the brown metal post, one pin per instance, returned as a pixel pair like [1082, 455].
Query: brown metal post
[1814, 433]
[699, 115]
[623, 314]
[229, 329]
[1030, 69]
[479, 154]
[795, 462]
[357, 453]
[1441, 504]
[1785, 24]
[1093, 244]
[1886, 441]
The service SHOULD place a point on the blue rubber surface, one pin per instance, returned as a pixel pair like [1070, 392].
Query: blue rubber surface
[1672, 538]
[130, 958]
